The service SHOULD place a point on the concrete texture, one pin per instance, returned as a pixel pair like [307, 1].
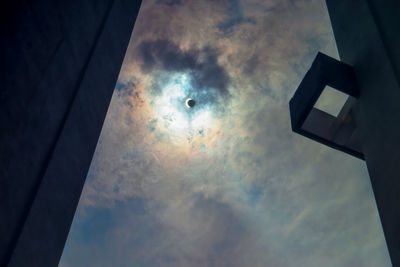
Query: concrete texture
[367, 38]
[59, 64]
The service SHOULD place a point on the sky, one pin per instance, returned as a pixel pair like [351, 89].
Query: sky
[225, 183]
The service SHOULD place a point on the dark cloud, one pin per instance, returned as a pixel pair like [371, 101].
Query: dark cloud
[251, 65]
[209, 78]
[152, 125]
[169, 2]
[125, 88]
[235, 17]
[127, 91]
[166, 55]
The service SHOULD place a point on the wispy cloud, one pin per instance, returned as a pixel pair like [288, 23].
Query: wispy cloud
[234, 18]
[247, 193]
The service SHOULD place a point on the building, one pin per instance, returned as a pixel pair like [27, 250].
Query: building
[60, 61]
[368, 126]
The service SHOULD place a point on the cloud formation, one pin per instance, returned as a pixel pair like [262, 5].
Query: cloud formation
[202, 65]
[248, 192]
[169, 2]
[235, 17]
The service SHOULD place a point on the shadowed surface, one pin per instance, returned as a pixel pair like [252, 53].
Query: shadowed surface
[60, 62]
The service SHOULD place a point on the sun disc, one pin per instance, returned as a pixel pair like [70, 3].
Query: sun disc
[187, 103]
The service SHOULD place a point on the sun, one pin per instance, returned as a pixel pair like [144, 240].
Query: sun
[189, 103]
[177, 111]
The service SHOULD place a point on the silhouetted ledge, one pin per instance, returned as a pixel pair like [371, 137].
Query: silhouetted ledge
[60, 63]
[366, 33]
[337, 132]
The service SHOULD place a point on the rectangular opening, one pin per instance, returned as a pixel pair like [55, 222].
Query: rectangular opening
[331, 101]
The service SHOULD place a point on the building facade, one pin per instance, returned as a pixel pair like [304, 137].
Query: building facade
[366, 33]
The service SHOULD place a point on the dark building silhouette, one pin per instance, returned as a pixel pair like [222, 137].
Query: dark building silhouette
[59, 64]
[368, 126]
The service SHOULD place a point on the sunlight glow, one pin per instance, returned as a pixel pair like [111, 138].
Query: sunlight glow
[172, 111]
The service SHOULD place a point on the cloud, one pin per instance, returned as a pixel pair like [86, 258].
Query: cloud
[235, 18]
[169, 2]
[250, 193]
[202, 64]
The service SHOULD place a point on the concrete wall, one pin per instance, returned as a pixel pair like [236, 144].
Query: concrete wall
[59, 64]
[366, 33]
[386, 15]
